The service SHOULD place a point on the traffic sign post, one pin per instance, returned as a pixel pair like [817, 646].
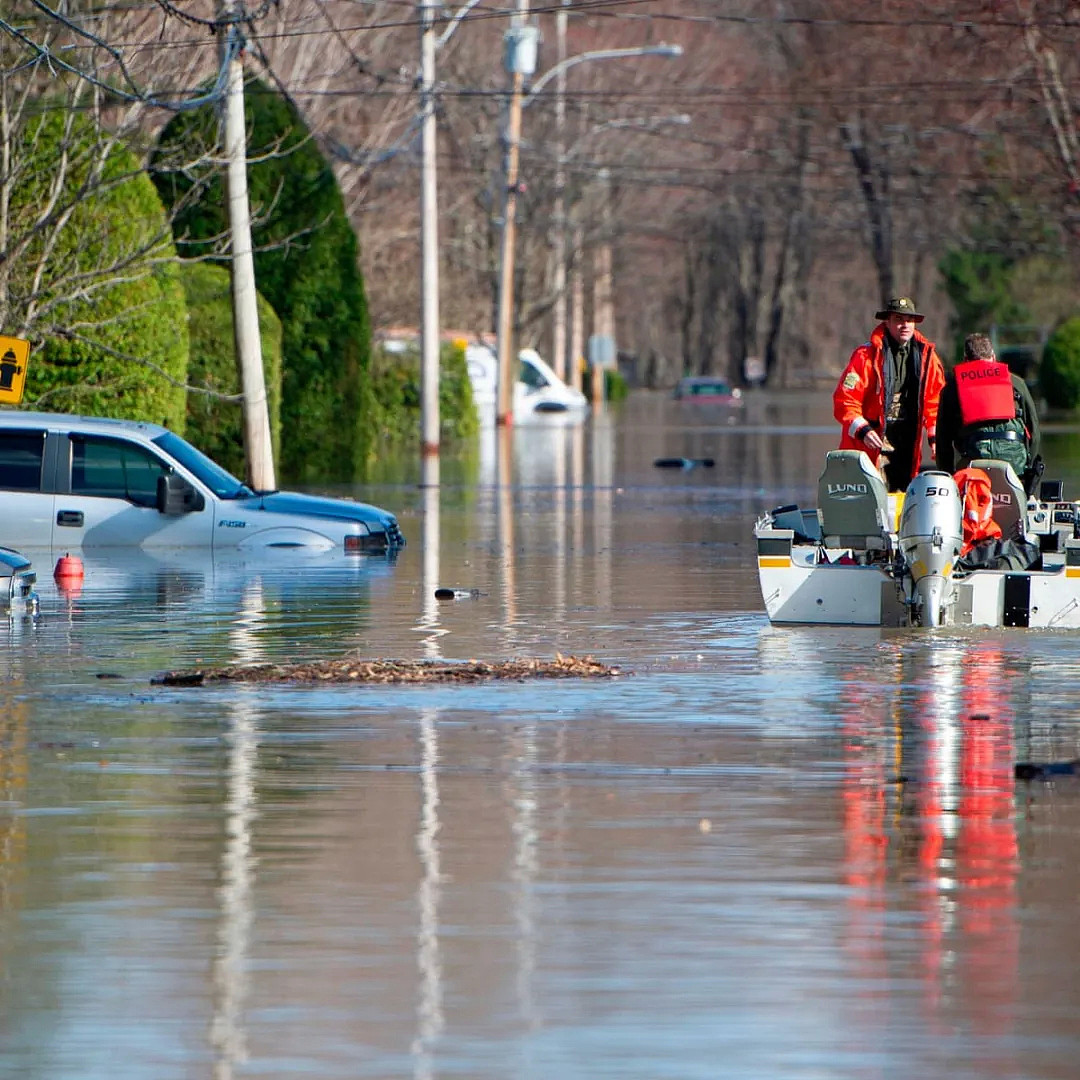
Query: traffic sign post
[14, 352]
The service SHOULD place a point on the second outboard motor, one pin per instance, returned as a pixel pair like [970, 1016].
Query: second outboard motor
[931, 538]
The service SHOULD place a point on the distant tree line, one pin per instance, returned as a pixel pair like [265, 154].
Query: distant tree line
[761, 195]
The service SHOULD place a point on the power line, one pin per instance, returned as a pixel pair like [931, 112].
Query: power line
[603, 9]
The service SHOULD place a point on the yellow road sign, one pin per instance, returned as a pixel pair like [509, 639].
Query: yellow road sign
[14, 353]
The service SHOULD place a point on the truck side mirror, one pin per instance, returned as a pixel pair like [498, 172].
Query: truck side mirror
[176, 496]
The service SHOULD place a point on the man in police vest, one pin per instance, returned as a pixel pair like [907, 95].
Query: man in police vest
[987, 412]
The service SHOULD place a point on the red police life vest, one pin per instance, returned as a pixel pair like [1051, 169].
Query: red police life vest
[984, 389]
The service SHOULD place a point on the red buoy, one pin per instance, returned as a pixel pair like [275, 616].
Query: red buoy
[68, 568]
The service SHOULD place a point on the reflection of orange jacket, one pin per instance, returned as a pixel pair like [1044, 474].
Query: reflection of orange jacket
[859, 398]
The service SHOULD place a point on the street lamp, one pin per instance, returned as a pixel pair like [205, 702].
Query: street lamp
[568, 346]
[519, 53]
[663, 49]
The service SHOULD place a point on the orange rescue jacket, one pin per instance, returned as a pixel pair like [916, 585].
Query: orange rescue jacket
[859, 398]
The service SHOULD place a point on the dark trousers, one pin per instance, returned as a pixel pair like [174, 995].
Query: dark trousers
[898, 467]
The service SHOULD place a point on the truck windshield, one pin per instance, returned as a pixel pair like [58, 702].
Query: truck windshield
[220, 481]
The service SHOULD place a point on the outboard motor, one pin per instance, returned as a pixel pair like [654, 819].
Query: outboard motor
[931, 538]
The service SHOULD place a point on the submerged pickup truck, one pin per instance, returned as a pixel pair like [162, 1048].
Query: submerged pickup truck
[82, 482]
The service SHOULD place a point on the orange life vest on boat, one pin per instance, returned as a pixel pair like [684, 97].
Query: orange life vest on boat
[978, 498]
[984, 389]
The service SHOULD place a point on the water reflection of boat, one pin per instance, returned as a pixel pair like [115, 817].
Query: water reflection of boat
[929, 827]
[849, 561]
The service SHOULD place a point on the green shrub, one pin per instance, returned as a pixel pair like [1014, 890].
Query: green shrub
[114, 339]
[1059, 373]
[395, 383]
[215, 426]
[616, 387]
[306, 265]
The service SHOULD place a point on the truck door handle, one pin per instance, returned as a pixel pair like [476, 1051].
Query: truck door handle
[69, 517]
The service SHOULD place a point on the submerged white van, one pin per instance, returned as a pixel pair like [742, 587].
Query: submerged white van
[538, 392]
[84, 482]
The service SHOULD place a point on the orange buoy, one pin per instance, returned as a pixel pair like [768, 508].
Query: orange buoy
[68, 568]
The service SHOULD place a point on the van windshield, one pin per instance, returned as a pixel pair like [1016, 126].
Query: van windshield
[220, 481]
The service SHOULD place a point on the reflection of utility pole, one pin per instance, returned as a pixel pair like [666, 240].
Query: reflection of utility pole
[429, 254]
[429, 577]
[521, 42]
[259, 451]
[231, 962]
[430, 1016]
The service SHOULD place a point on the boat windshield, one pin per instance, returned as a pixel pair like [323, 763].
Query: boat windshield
[220, 481]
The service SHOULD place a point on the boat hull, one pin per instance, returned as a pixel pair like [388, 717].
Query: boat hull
[808, 584]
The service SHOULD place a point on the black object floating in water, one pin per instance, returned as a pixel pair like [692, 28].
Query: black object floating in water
[1031, 770]
[684, 462]
[456, 594]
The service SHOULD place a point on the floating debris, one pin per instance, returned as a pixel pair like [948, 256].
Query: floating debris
[458, 594]
[684, 463]
[354, 670]
[1033, 770]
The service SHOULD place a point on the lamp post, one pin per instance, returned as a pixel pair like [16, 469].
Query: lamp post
[517, 63]
[570, 285]
[520, 61]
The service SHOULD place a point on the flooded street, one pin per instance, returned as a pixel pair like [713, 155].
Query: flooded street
[760, 853]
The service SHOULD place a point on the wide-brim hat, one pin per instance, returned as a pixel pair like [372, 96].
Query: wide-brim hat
[900, 305]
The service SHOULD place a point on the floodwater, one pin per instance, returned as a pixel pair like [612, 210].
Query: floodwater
[760, 853]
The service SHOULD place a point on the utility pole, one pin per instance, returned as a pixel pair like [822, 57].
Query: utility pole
[429, 254]
[558, 345]
[257, 445]
[520, 58]
[602, 348]
[577, 310]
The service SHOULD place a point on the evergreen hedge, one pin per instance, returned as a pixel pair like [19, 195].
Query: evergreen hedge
[215, 426]
[306, 265]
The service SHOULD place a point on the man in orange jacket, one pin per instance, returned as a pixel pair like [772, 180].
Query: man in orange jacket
[888, 394]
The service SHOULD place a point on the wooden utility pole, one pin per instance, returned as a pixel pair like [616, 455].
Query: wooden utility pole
[520, 61]
[602, 344]
[429, 254]
[559, 311]
[257, 445]
[577, 309]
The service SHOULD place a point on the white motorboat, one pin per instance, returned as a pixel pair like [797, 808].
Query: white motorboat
[865, 558]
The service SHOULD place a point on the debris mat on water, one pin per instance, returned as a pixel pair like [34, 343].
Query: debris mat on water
[354, 670]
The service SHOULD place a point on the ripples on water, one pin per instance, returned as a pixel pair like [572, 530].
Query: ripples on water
[763, 853]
